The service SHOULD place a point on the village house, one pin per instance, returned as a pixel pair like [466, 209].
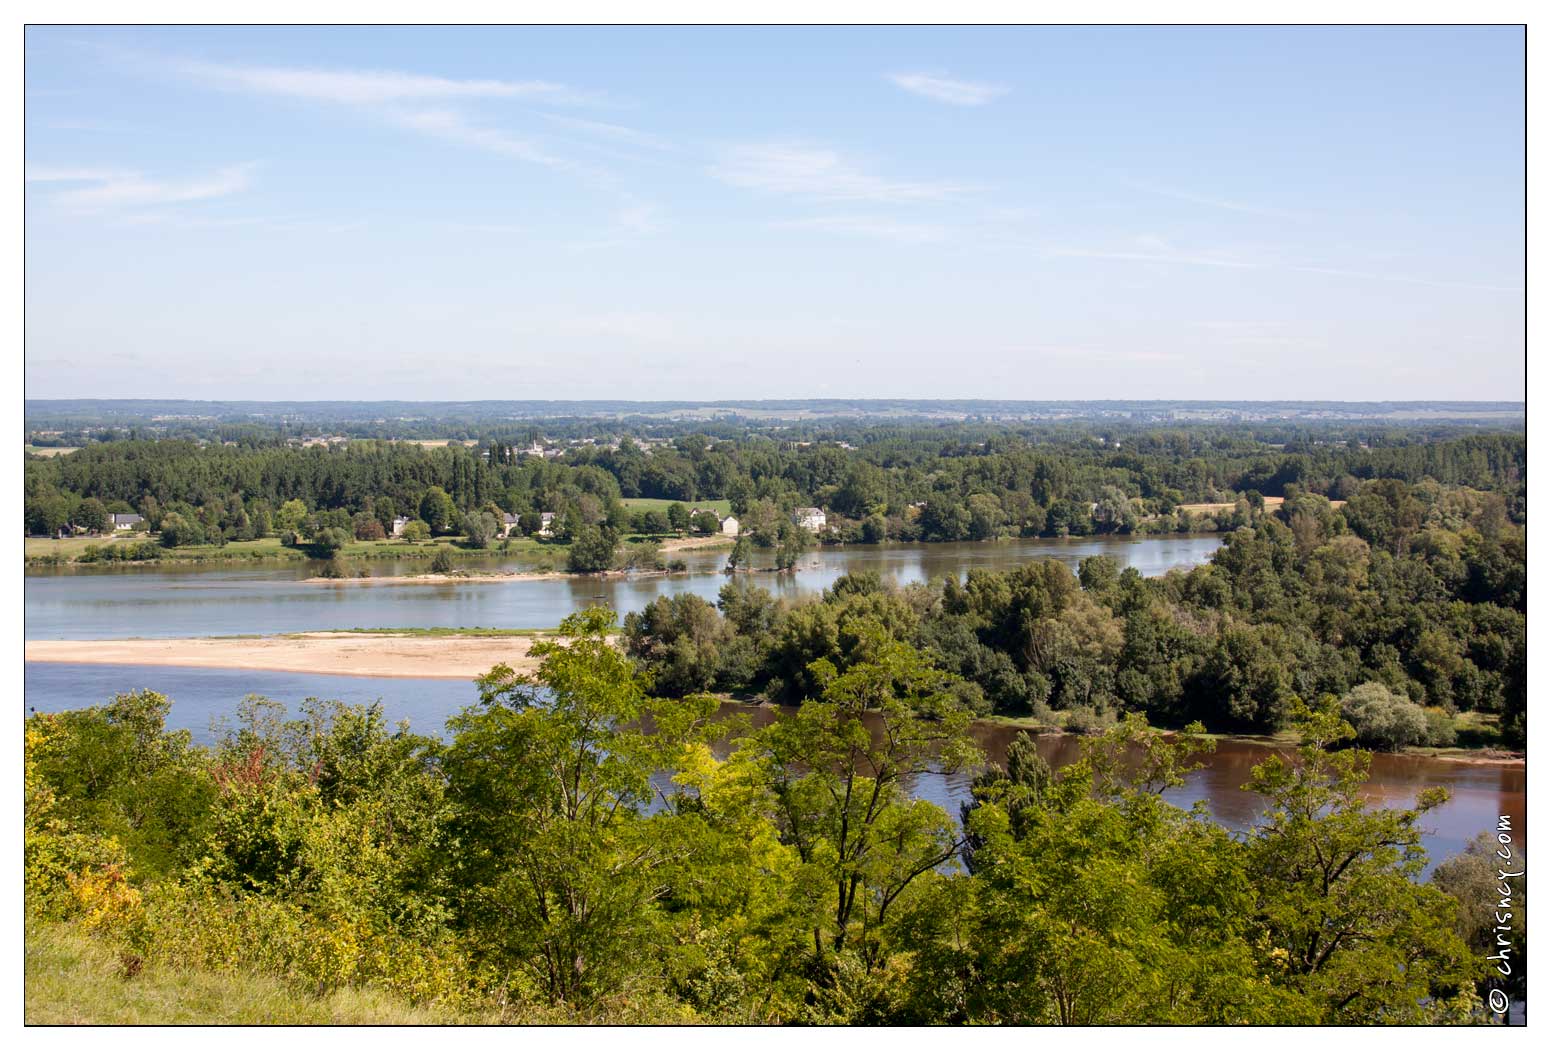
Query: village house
[729, 526]
[509, 523]
[398, 525]
[810, 518]
[123, 522]
[546, 521]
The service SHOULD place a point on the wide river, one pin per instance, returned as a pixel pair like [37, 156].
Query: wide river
[101, 603]
[152, 601]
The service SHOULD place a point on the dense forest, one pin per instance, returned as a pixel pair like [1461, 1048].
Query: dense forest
[1408, 604]
[578, 850]
[882, 483]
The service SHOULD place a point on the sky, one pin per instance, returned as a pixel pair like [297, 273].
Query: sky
[547, 213]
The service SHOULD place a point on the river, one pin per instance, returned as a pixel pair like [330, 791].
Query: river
[202, 697]
[194, 600]
[197, 600]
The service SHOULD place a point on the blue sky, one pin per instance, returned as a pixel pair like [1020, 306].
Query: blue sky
[703, 214]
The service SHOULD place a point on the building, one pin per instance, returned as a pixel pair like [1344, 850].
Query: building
[509, 525]
[729, 526]
[546, 520]
[122, 522]
[398, 525]
[810, 518]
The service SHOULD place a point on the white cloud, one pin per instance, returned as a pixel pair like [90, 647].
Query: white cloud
[807, 171]
[616, 132]
[946, 89]
[1210, 201]
[640, 218]
[111, 189]
[77, 174]
[870, 226]
[374, 87]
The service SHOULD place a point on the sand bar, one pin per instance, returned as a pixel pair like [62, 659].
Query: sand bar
[319, 653]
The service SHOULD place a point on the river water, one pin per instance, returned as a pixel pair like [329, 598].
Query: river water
[202, 697]
[118, 602]
[155, 601]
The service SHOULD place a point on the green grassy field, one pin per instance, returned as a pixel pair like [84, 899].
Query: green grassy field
[72, 979]
[270, 547]
[645, 503]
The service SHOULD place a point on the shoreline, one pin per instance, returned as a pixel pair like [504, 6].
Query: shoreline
[382, 655]
[464, 654]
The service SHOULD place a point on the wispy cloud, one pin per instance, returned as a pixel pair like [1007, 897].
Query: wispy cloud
[640, 219]
[108, 189]
[616, 132]
[1405, 279]
[947, 89]
[455, 126]
[1148, 253]
[1149, 248]
[870, 226]
[819, 173]
[46, 174]
[374, 87]
[1209, 200]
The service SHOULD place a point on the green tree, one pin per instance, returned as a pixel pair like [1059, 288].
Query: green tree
[592, 550]
[1350, 928]
[840, 792]
[560, 866]
[91, 516]
[290, 516]
[438, 511]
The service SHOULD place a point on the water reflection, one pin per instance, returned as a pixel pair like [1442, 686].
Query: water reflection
[157, 602]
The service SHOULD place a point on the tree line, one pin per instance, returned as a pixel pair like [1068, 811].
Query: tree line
[899, 483]
[1407, 604]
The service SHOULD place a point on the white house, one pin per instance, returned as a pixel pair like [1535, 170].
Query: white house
[398, 525]
[729, 526]
[122, 522]
[546, 520]
[509, 524]
[810, 518]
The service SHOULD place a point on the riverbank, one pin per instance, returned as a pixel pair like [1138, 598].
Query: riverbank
[107, 550]
[467, 653]
[386, 655]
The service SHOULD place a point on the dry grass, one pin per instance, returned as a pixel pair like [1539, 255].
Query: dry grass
[73, 980]
[52, 450]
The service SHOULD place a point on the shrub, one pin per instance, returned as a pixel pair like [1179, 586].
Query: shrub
[442, 563]
[1440, 728]
[1382, 719]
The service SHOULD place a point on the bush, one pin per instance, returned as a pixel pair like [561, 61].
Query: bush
[416, 531]
[1085, 720]
[1440, 728]
[333, 569]
[442, 563]
[1382, 719]
[592, 550]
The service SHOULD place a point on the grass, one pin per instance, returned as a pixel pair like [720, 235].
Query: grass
[72, 979]
[646, 503]
[51, 450]
[72, 548]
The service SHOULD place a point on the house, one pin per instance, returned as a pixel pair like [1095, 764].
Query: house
[810, 518]
[509, 524]
[729, 526]
[398, 525]
[546, 520]
[123, 522]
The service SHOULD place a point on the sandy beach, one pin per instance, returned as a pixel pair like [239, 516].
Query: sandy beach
[319, 653]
